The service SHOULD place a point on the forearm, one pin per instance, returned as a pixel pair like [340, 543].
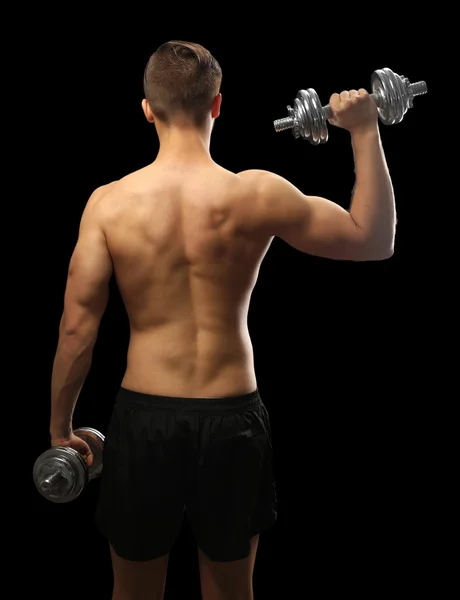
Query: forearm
[373, 204]
[70, 369]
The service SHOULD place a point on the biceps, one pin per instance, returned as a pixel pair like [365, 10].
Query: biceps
[87, 288]
[83, 312]
[323, 228]
[331, 231]
[85, 294]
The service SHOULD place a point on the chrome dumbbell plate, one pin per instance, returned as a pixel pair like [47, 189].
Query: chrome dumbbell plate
[61, 474]
[393, 94]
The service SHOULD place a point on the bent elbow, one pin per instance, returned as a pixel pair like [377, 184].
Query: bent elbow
[388, 254]
[377, 254]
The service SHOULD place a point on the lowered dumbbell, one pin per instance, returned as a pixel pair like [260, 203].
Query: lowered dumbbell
[393, 94]
[60, 474]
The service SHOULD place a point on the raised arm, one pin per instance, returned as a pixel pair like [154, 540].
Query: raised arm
[320, 227]
[312, 224]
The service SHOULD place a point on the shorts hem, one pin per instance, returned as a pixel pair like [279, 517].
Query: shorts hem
[123, 552]
[221, 558]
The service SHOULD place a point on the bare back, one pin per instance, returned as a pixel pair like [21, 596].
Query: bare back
[186, 252]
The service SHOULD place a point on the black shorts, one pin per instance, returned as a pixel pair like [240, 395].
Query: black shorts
[210, 458]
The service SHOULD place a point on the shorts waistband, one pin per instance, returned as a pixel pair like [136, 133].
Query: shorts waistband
[127, 397]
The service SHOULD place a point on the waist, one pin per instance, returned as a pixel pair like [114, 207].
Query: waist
[167, 366]
[129, 398]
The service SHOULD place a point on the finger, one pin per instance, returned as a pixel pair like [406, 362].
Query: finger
[85, 450]
[89, 457]
[344, 96]
[334, 100]
[363, 93]
[334, 104]
[354, 96]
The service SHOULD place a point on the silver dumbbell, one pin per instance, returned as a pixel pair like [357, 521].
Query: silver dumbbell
[393, 94]
[60, 474]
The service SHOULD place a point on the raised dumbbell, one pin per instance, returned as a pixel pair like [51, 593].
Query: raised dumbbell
[60, 474]
[393, 94]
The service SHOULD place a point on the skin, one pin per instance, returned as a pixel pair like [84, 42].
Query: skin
[185, 239]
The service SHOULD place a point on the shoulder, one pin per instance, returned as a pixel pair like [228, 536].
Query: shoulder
[266, 186]
[99, 193]
[106, 200]
[102, 196]
[254, 175]
[261, 180]
[96, 208]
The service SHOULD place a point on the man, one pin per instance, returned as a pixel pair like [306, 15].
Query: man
[185, 239]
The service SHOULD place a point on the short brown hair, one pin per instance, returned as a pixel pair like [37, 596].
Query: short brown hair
[182, 79]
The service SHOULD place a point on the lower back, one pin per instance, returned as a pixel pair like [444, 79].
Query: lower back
[170, 361]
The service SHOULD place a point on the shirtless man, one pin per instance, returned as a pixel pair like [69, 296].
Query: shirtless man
[185, 238]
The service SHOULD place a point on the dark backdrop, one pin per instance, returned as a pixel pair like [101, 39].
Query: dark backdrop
[333, 341]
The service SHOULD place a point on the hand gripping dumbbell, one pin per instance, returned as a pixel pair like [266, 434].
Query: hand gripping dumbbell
[393, 94]
[60, 474]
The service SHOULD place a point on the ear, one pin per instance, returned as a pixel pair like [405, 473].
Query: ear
[216, 104]
[148, 111]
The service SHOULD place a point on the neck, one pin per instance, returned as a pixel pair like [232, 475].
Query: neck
[183, 143]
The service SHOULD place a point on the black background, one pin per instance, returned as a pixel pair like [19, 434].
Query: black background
[336, 344]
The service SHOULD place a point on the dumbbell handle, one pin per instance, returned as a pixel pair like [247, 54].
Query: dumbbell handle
[289, 122]
[328, 114]
[401, 101]
[51, 482]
